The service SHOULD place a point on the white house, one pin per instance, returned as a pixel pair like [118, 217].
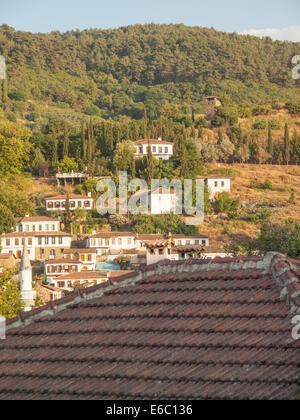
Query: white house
[41, 245]
[111, 243]
[160, 149]
[163, 201]
[73, 261]
[218, 185]
[37, 224]
[58, 203]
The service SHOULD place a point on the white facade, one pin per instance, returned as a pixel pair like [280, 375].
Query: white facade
[160, 149]
[163, 202]
[111, 243]
[36, 224]
[40, 246]
[218, 185]
[58, 203]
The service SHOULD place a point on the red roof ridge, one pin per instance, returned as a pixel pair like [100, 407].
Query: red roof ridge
[284, 271]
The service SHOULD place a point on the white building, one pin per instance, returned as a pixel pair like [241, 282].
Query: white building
[58, 203]
[37, 224]
[41, 245]
[73, 261]
[111, 243]
[160, 149]
[164, 201]
[218, 185]
[27, 293]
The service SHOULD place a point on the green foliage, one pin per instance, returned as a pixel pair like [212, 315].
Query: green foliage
[7, 221]
[14, 148]
[268, 185]
[164, 224]
[123, 262]
[10, 299]
[223, 203]
[68, 165]
[280, 237]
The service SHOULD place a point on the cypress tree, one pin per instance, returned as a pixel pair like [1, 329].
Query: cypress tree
[67, 216]
[270, 148]
[287, 145]
[66, 141]
[83, 145]
[54, 148]
[149, 164]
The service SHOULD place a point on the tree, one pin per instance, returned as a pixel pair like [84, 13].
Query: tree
[7, 220]
[68, 216]
[68, 165]
[270, 147]
[287, 145]
[38, 161]
[66, 141]
[124, 156]
[123, 262]
[10, 298]
[280, 237]
[149, 164]
[225, 204]
[15, 148]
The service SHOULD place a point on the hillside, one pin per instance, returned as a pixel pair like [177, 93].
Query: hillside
[109, 73]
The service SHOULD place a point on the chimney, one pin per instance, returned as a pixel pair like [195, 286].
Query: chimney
[89, 194]
[27, 215]
[159, 139]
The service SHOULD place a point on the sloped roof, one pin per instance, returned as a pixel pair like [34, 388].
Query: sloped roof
[36, 219]
[154, 141]
[71, 197]
[212, 329]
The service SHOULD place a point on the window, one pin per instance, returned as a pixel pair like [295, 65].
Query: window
[113, 241]
[33, 228]
[203, 242]
[52, 252]
[216, 184]
[53, 228]
[120, 241]
[50, 205]
[72, 204]
[129, 241]
[69, 284]
[152, 251]
[29, 241]
[100, 242]
[161, 252]
[197, 242]
[160, 150]
[57, 205]
[26, 228]
[47, 228]
[154, 149]
[141, 150]
[61, 284]
[89, 257]
[40, 228]
[42, 251]
[17, 242]
[39, 241]
[106, 242]
[53, 240]
[23, 241]
[87, 204]
[7, 242]
[46, 240]
[63, 204]
[223, 184]
[60, 240]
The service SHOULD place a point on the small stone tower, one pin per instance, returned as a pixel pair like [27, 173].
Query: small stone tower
[212, 102]
[27, 293]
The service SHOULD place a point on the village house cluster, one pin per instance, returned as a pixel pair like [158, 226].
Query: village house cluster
[40, 242]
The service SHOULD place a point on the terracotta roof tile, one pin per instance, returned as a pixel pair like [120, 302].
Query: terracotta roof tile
[213, 329]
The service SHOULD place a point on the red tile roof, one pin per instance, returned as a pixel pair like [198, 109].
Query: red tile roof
[36, 219]
[71, 197]
[154, 141]
[213, 329]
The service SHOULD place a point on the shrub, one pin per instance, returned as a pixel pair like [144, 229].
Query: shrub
[268, 185]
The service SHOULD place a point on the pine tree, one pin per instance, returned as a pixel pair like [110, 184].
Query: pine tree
[133, 168]
[287, 145]
[145, 123]
[66, 141]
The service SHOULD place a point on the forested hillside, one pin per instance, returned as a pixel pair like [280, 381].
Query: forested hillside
[115, 72]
